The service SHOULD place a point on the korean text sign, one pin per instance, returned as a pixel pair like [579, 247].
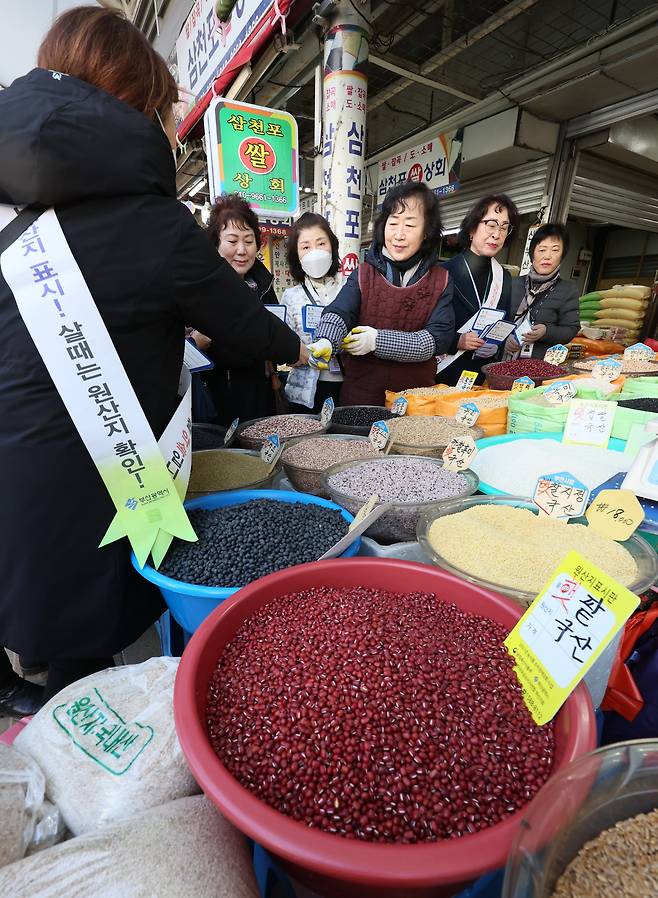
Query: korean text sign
[436, 163]
[254, 152]
[564, 631]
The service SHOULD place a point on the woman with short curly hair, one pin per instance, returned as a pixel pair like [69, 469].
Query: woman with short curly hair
[394, 314]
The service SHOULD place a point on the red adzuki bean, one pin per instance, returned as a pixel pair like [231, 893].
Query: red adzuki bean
[528, 367]
[377, 716]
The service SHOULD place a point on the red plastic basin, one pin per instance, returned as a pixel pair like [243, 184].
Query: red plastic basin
[328, 864]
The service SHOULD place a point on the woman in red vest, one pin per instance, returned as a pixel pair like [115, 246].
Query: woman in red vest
[394, 315]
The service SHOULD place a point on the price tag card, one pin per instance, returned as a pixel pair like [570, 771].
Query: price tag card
[379, 435]
[607, 369]
[466, 380]
[400, 406]
[485, 318]
[364, 511]
[194, 359]
[564, 631]
[555, 355]
[230, 433]
[467, 414]
[459, 453]
[589, 422]
[311, 318]
[560, 495]
[327, 411]
[271, 450]
[560, 392]
[521, 384]
[498, 332]
[278, 310]
[615, 514]
[640, 352]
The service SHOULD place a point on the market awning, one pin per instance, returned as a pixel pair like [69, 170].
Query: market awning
[261, 35]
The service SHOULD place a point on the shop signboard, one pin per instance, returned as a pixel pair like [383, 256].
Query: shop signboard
[436, 162]
[253, 151]
[203, 51]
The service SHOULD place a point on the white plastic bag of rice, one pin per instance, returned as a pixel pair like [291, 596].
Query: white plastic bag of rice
[28, 823]
[183, 848]
[108, 746]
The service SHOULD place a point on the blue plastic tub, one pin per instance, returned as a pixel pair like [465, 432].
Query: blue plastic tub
[615, 445]
[190, 604]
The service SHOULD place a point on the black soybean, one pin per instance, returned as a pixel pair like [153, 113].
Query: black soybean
[359, 416]
[641, 405]
[241, 543]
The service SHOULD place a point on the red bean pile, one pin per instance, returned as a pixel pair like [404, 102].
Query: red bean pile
[529, 368]
[377, 716]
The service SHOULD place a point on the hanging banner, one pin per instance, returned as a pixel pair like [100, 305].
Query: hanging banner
[345, 89]
[253, 151]
[72, 339]
[436, 163]
[203, 50]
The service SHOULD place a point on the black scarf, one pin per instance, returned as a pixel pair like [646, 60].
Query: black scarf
[399, 268]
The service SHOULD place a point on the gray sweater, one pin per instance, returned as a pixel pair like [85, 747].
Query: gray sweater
[558, 309]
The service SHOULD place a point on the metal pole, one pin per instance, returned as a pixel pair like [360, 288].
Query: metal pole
[343, 149]
[317, 142]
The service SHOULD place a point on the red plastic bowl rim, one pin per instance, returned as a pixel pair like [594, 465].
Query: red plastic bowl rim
[379, 864]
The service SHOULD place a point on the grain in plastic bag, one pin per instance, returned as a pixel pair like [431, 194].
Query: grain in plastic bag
[180, 849]
[27, 822]
[108, 746]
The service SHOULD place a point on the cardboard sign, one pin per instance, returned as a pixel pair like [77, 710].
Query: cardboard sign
[607, 369]
[589, 422]
[564, 631]
[615, 514]
[560, 495]
[639, 352]
[459, 453]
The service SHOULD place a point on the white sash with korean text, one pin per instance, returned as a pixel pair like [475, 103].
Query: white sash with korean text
[146, 479]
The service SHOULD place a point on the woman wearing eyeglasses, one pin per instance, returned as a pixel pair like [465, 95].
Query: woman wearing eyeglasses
[480, 283]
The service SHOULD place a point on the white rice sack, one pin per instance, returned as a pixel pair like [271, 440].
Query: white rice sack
[184, 848]
[25, 817]
[108, 746]
[630, 315]
[623, 302]
[630, 291]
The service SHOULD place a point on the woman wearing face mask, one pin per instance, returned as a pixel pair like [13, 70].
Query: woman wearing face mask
[312, 253]
[394, 314]
[546, 309]
[479, 283]
[241, 386]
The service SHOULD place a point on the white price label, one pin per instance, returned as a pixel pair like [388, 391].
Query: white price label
[327, 412]
[521, 384]
[271, 450]
[560, 392]
[379, 436]
[459, 453]
[640, 352]
[467, 414]
[555, 355]
[560, 495]
[400, 406]
[230, 433]
[589, 422]
[607, 369]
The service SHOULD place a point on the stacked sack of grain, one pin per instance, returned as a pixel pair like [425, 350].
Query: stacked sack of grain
[621, 306]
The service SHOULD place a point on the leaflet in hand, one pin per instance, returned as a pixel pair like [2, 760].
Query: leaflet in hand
[485, 318]
[194, 359]
[498, 332]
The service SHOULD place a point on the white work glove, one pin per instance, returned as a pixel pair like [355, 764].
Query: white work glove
[360, 340]
[486, 351]
[320, 353]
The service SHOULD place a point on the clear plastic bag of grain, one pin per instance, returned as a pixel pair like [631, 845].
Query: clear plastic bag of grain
[183, 848]
[108, 746]
[28, 822]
